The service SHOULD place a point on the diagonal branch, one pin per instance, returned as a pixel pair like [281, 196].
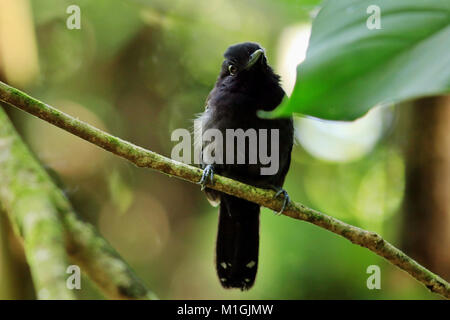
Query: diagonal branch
[148, 159]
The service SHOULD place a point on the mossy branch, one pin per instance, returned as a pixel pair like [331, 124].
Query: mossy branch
[51, 231]
[148, 159]
[33, 217]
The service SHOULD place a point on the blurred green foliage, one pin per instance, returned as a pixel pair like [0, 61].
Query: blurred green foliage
[140, 69]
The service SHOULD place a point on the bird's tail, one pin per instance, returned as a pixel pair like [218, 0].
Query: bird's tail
[237, 242]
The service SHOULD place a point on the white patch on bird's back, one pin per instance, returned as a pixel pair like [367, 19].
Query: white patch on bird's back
[251, 264]
[223, 265]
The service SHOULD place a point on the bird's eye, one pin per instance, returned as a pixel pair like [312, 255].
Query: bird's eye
[232, 69]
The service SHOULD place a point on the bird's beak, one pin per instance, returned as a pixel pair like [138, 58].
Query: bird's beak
[254, 58]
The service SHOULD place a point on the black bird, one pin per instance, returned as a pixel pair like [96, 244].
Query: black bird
[246, 84]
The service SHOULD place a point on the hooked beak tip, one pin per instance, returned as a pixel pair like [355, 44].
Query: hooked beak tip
[254, 58]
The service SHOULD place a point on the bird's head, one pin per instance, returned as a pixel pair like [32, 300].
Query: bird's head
[245, 70]
[243, 60]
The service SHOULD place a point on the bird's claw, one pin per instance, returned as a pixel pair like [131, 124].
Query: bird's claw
[208, 173]
[286, 197]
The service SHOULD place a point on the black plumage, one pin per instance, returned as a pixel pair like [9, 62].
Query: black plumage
[245, 85]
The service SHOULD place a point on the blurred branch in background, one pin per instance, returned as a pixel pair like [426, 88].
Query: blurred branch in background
[44, 219]
[33, 216]
[145, 158]
[426, 206]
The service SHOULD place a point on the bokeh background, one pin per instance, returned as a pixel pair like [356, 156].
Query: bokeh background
[140, 69]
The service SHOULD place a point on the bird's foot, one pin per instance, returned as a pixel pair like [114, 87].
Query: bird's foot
[208, 174]
[286, 197]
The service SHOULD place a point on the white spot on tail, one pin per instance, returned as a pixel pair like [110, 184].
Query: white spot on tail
[251, 264]
[247, 280]
[223, 265]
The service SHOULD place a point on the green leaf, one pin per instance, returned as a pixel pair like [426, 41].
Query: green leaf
[349, 69]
